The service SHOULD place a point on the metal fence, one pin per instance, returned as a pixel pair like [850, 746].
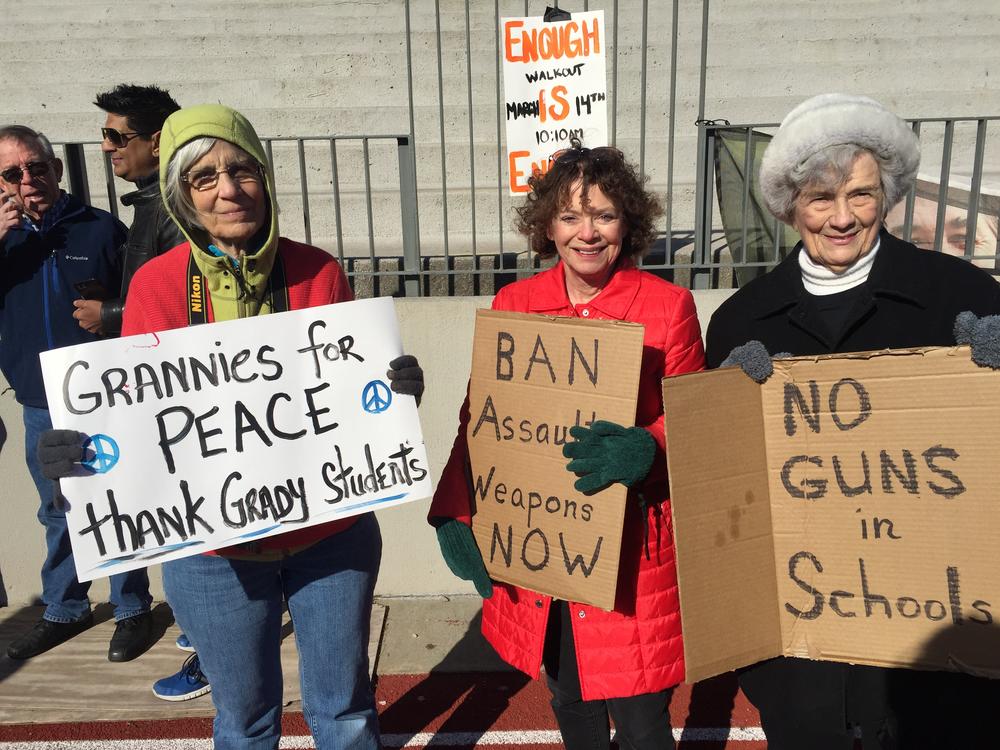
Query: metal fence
[325, 180]
[427, 212]
[954, 149]
[643, 117]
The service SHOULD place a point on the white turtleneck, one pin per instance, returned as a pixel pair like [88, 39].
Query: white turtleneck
[821, 281]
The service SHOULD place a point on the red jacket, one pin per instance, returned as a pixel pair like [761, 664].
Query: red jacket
[636, 648]
[157, 301]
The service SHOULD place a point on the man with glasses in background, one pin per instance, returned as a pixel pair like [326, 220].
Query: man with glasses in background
[53, 250]
[131, 138]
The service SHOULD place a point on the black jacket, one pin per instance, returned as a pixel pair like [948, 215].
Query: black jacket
[152, 233]
[911, 299]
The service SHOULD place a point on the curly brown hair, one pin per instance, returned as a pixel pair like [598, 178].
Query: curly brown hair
[604, 167]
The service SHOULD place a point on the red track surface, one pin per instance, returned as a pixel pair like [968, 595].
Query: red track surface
[444, 709]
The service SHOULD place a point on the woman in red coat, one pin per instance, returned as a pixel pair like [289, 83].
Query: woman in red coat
[592, 211]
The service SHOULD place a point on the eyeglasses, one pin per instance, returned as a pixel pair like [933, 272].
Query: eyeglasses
[117, 138]
[36, 169]
[206, 179]
[575, 154]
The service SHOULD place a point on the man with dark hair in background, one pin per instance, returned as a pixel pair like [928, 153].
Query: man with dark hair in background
[131, 137]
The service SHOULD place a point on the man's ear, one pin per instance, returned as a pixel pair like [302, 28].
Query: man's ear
[155, 138]
[57, 165]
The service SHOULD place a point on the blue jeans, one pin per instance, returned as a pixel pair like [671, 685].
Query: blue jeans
[231, 611]
[64, 596]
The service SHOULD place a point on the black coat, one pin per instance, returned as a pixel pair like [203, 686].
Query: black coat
[911, 298]
[152, 233]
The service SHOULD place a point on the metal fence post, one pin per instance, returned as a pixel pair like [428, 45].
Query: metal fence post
[408, 211]
[76, 169]
[703, 204]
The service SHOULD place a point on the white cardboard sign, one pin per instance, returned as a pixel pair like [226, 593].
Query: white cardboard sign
[219, 434]
[555, 89]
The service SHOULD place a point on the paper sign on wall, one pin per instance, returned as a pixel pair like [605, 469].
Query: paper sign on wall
[847, 512]
[219, 434]
[532, 379]
[555, 89]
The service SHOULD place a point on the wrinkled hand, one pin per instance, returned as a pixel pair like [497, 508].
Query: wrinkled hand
[10, 215]
[88, 313]
[460, 551]
[982, 335]
[406, 376]
[605, 453]
[753, 359]
[59, 451]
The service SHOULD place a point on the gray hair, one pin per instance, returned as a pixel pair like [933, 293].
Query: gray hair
[175, 192]
[819, 141]
[24, 134]
[831, 168]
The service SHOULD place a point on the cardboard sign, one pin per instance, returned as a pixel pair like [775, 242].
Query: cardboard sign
[533, 378]
[846, 512]
[219, 434]
[555, 89]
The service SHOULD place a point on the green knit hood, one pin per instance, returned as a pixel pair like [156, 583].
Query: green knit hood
[218, 121]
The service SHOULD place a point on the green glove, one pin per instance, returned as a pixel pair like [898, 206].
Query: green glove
[459, 549]
[606, 453]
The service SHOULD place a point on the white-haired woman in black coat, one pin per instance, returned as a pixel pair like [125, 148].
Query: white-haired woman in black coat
[833, 170]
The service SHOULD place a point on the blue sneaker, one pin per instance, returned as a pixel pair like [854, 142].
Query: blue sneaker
[187, 684]
[184, 644]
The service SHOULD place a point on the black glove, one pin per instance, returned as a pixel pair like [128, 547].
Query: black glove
[460, 551]
[982, 335]
[59, 451]
[406, 376]
[605, 453]
[753, 359]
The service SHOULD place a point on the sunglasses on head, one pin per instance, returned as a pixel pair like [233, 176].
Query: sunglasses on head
[117, 138]
[14, 175]
[578, 153]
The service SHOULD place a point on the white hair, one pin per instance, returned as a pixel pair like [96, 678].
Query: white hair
[175, 192]
[819, 141]
[24, 134]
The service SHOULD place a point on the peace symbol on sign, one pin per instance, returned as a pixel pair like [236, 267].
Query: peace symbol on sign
[100, 453]
[376, 397]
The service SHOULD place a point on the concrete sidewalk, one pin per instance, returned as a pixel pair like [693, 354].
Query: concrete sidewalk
[76, 682]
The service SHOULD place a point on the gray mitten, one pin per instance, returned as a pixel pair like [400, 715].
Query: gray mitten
[753, 359]
[59, 452]
[982, 335]
[406, 376]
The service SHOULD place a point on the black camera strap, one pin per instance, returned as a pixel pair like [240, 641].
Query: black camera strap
[276, 293]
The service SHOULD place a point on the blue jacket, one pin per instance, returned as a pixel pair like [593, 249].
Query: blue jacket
[37, 273]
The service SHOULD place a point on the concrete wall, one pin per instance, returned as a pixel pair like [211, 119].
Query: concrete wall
[438, 331]
[301, 67]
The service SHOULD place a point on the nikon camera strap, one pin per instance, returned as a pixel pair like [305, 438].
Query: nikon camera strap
[276, 293]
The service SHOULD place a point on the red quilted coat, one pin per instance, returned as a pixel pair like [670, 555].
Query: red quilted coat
[636, 648]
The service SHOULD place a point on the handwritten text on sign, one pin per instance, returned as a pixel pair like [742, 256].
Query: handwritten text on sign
[847, 511]
[555, 89]
[867, 474]
[220, 434]
[533, 378]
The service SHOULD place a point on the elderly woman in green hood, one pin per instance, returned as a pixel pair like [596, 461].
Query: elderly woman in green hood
[217, 185]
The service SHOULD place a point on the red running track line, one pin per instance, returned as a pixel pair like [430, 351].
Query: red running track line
[496, 710]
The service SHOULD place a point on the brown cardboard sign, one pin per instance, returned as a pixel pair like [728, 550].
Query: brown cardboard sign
[846, 512]
[533, 378]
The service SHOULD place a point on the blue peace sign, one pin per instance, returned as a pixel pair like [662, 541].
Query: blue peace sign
[100, 453]
[376, 397]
